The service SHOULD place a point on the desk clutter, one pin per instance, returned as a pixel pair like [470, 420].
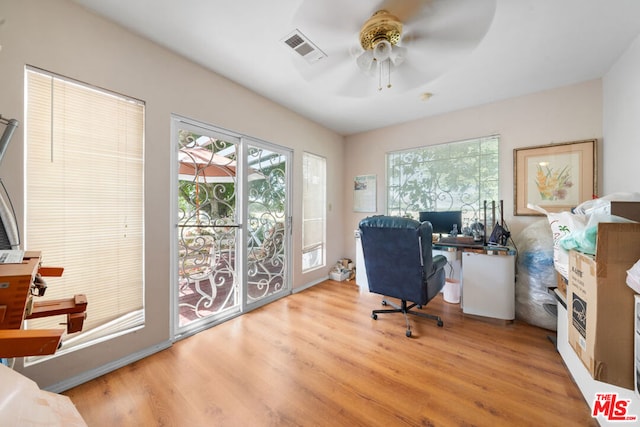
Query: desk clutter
[450, 229]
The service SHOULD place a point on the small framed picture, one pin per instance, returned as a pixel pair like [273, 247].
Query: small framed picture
[364, 193]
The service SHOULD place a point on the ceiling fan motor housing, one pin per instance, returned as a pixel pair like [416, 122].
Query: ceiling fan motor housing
[381, 26]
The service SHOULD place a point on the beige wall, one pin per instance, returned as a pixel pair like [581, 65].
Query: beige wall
[567, 114]
[621, 153]
[59, 36]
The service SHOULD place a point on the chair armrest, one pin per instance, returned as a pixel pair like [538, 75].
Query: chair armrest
[438, 262]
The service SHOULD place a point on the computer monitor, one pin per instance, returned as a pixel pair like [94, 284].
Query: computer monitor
[442, 222]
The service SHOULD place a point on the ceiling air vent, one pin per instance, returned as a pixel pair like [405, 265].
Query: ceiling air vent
[303, 46]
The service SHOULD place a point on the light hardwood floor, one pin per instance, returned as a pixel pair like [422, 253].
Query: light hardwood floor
[316, 358]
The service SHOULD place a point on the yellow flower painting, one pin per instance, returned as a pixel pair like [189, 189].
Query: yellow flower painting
[553, 183]
[555, 177]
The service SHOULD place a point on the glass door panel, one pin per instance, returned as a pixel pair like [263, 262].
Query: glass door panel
[233, 225]
[268, 225]
[208, 286]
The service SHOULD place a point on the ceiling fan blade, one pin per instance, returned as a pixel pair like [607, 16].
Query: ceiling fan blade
[454, 15]
[438, 47]
[447, 32]
[319, 20]
[325, 67]
[356, 85]
[335, 34]
[404, 10]
[411, 75]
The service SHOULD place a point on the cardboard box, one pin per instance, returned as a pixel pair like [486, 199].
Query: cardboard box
[629, 210]
[562, 284]
[600, 305]
[339, 275]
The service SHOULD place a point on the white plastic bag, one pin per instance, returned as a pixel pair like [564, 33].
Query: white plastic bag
[603, 204]
[585, 240]
[633, 277]
[562, 224]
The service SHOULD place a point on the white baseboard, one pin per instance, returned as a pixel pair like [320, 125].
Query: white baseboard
[109, 367]
[308, 285]
[104, 369]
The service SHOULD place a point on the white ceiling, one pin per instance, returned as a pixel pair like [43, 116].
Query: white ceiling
[530, 45]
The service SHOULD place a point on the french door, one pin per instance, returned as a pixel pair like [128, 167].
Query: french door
[232, 225]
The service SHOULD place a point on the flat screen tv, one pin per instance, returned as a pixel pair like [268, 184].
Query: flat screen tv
[443, 222]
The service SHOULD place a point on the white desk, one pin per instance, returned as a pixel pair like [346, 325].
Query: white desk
[486, 275]
[361, 272]
[488, 284]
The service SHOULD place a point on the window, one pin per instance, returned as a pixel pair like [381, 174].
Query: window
[84, 204]
[454, 176]
[314, 178]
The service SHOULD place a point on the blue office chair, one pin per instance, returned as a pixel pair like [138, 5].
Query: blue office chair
[400, 264]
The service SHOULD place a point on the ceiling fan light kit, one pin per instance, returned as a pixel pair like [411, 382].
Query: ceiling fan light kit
[382, 50]
[381, 26]
[379, 37]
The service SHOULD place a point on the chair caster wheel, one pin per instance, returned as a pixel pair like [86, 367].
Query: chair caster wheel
[408, 334]
[384, 302]
[419, 306]
[440, 323]
[374, 316]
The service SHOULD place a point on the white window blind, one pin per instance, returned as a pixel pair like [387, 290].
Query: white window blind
[84, 209]
[313, 210]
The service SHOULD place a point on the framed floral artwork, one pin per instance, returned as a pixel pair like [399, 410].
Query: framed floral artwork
[555, 177]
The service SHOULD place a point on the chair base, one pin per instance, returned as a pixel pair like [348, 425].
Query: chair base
[405, 309]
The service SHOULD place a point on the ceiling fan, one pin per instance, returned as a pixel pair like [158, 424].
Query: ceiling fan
[366, 47]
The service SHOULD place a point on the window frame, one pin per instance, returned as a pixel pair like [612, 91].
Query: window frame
[72, 134]
[488, 152]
